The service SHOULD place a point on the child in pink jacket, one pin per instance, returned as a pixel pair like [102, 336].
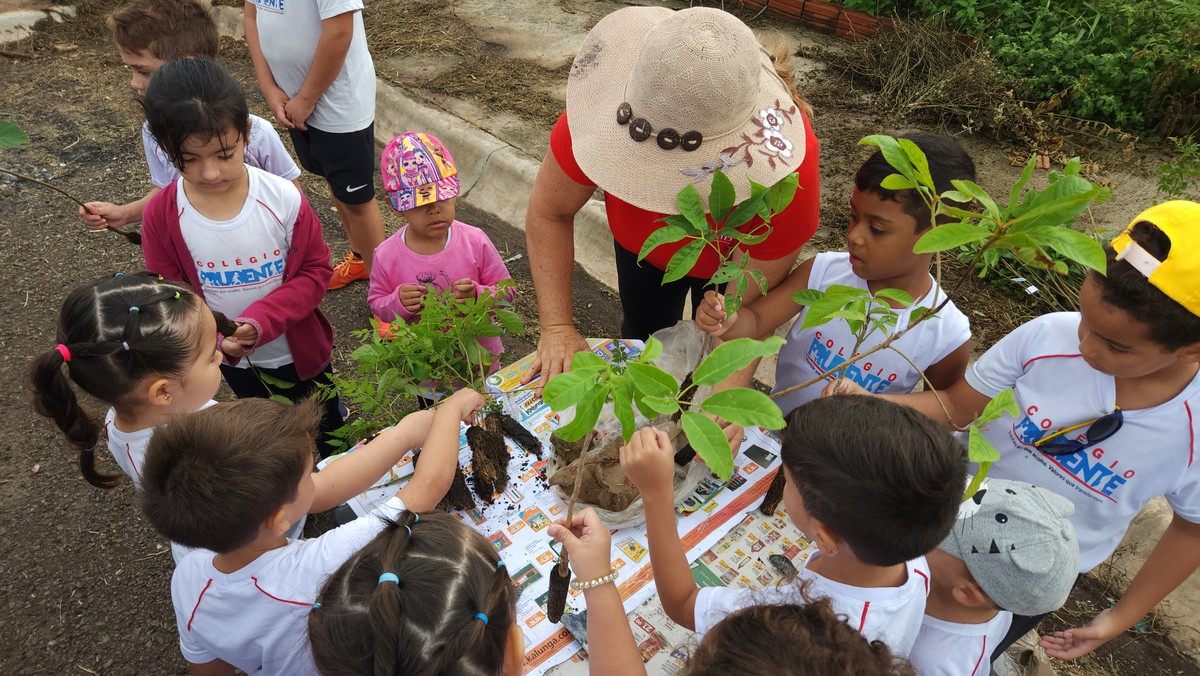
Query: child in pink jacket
[432, 252]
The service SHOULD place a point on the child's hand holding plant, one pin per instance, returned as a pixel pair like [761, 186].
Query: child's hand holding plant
[464, 289]
[648, 460]
[412, 296]
[241, 343]
[587, 542]
[711, 318]
[467, 402]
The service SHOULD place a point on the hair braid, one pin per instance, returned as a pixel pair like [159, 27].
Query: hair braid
[385, 612]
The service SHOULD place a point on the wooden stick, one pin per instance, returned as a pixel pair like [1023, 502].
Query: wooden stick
[587, 447]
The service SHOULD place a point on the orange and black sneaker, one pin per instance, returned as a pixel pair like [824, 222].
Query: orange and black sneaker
[351, 269]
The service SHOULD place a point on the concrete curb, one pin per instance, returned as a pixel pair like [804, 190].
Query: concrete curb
[494, 176]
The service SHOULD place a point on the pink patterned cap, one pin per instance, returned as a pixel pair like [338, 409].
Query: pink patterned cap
[417, 170]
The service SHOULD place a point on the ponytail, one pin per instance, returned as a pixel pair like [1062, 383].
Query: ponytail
[55, 398]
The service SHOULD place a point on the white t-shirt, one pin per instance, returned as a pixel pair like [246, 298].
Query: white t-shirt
[812, 351]
[288, 32]
[1152, 454]
[257, 618]
[953, 649]
[889, 614]
[241, 260]
[264, 149]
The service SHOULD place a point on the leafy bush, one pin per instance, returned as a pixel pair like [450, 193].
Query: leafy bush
[1130, 64]
[1176, 178]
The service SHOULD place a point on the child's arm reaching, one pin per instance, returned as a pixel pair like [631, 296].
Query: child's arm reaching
[99, 215]
[758, 318]
[355, 472]
[963, 402]
[439, 455]
[611, 647]
[1173, 559]
[648, 461]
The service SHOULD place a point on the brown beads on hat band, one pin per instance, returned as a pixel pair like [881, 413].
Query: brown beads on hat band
[668, 139]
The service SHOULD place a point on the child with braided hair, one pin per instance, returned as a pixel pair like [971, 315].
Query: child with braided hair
[145, 346]
[229, 480]
[428, 595]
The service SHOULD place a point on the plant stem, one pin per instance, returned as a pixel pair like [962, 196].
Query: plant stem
[62, 192]
[928, 384]
[587, 447]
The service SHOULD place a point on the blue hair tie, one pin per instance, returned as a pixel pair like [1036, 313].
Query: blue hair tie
[481, 616]
[500, 563]
[409, 531]
[316, 605]
[134, 308]
[389, 577]
[119, 274]
[416, 517]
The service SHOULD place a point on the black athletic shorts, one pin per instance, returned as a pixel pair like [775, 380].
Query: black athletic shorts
[346, 160]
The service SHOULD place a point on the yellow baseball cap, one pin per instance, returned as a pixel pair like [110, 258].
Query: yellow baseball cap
[1178, 275]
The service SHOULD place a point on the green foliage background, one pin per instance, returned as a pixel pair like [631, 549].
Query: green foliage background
[1132, 64]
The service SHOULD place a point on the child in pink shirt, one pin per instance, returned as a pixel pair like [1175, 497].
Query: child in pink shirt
[432, 252]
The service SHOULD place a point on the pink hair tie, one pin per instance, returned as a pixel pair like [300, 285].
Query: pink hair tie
[62, 349]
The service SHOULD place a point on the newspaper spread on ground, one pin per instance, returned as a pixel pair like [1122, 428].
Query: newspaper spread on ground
[516, 521]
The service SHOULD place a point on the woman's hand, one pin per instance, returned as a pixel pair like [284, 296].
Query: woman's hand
[556, 348]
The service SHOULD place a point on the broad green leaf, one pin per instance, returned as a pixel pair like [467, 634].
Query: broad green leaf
[745, 407]
[724, 274]
[949, 236]
[759, 278]
[920, 165]
[893, 153]
[652, 381]
[720, 200]
[780, 195]
[966, 216]
[586, 360]
[897, 182]
[1001, 404]
[587, 412]
[568, 389]
[622, 398]
[836, 298]
[1027, 173]
[732, 356]
[1072, 244]
[683, 261]
[654, 406]
[807, 296]
[748, 239]
[273, 382]
[979, 449]
[664, 235]
[971, 188]
[11, 135]
[899, 295]
[678, 221]
[281, 399]
[977, 480]
[954, 196]
[510, 320]
[691, 208]
[365, 355]
[744, 212]
[387, 379]
[709, 442]
[653, 349]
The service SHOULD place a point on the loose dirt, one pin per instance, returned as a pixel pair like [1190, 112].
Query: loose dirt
[84, 581]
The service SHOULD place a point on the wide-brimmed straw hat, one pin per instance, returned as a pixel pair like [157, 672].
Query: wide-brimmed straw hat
[658, 99]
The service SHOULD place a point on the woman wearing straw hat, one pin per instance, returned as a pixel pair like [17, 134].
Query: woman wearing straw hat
[658, 99]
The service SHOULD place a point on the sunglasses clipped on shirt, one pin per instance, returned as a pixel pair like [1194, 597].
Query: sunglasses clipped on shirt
[1097, 431]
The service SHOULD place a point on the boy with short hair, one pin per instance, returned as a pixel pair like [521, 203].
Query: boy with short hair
[232, 478]
[312, 64]
[884, 226]
[872, 485]
[1012, 550]
[1108, 401]
[149, 33]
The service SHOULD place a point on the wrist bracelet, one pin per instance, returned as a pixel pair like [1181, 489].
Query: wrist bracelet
[584, 585]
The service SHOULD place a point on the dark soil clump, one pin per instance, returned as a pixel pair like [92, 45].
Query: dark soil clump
[459, 496]
[517, 432]
[774, 494]
[489, 457]
[560, 584]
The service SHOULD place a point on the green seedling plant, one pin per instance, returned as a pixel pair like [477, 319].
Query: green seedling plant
[12, 136]
[1031, 229]
[429, 358]
[637, 382]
